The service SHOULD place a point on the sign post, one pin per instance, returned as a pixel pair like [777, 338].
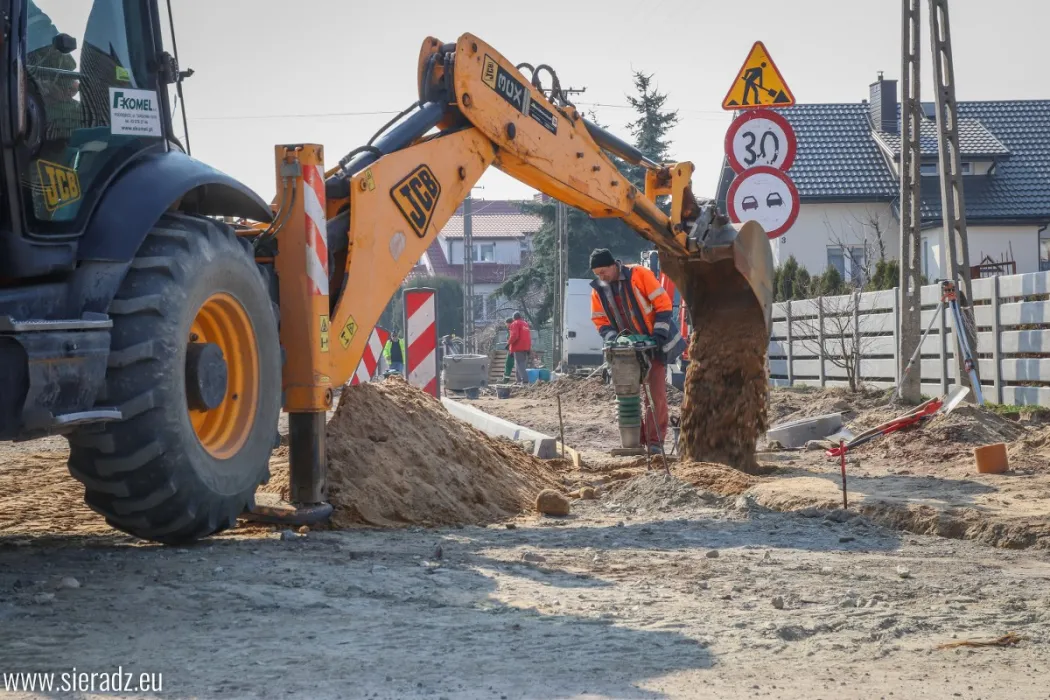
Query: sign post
[760, 146]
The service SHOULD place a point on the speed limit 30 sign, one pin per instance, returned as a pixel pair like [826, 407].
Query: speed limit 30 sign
[760, 137]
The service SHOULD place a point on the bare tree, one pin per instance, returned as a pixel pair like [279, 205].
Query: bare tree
[862, 239]
[833, 334]
[529, 305]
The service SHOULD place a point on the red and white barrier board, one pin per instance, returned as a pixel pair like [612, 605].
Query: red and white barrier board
[421, 338]
[316, 245]
[366, 368]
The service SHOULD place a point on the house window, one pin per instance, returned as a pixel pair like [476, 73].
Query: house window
[1044, 250]
[484, 252]
[849, 261]
[479, 307]
[931, 168]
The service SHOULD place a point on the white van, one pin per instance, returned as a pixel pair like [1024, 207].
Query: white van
[582, 346]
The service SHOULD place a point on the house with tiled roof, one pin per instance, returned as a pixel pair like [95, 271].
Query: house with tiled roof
[502, 238]
[847, 174]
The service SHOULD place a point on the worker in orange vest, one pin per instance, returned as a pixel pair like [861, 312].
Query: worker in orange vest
[629, 299]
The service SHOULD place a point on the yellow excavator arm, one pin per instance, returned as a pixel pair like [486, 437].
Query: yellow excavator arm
[387, 202]
[347, 237]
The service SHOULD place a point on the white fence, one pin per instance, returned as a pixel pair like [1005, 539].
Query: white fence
[811, 336]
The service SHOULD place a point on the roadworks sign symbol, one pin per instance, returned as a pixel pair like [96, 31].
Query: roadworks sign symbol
[758, 83]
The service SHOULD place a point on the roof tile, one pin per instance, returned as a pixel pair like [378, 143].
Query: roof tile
[496, 218]
[839, 158]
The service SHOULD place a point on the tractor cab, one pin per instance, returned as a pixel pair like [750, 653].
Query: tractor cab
[89, 95]
[133, 319]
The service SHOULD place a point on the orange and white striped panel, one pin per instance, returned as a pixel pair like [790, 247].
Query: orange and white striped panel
[316, 242]
[366, 368]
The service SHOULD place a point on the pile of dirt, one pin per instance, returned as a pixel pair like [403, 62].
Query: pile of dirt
[788, 404]
[716, 478]
[588, 391]
[725, 410]
[573, 390]
[633, 487]
[945, 437]
[1032, 451]
[38, 497]
[397, 457]
[656, 491]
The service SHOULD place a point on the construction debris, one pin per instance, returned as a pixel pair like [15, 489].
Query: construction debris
[1007, 640]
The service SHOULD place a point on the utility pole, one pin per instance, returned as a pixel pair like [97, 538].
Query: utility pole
[468, 277]
[953, 207]
[910, 200]
[561, 230]
[561, 238]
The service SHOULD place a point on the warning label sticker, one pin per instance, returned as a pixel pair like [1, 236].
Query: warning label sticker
[324, 332]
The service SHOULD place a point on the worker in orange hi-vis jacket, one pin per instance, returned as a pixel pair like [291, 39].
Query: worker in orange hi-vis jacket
[629, 298]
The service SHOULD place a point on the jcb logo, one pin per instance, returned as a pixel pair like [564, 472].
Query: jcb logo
[60, 184]
[488, 72]
[417, 197]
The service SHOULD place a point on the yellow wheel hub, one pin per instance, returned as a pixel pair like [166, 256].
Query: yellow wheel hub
[223, 322]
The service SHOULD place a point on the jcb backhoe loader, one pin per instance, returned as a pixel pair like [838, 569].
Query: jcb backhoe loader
[164, 341]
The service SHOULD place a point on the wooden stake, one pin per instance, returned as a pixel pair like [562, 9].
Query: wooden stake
[842, 446]
[561, 426]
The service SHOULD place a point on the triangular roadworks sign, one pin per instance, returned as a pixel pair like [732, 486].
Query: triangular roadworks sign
[758, 83]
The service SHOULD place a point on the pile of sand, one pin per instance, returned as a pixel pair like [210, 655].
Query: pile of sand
[397, 457]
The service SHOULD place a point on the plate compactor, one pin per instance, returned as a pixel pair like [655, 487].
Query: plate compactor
[628, 359]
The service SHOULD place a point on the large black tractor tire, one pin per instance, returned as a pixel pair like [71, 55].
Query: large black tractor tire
[185, 462]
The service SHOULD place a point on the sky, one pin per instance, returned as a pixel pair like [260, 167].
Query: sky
[334, 71]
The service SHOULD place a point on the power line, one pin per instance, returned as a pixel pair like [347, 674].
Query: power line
[313, 115]
[318, 115]
[627, 106]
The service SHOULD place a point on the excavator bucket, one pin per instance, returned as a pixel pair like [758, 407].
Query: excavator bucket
[726, 282]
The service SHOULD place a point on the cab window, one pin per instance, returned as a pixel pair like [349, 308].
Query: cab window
[87, 74]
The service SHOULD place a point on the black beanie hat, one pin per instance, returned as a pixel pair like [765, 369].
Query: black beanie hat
[601, 257]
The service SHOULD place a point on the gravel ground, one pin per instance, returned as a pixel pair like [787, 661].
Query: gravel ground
[719, 599]
[656, 589]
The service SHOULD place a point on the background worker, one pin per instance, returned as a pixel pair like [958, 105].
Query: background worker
[629, 298]
[508, 366]
[520, 345]
[394, 352]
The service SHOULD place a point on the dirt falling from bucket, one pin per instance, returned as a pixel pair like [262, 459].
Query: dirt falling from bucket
[724, 410]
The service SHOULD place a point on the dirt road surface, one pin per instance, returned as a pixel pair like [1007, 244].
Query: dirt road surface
[656, 589]
[923, 481]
